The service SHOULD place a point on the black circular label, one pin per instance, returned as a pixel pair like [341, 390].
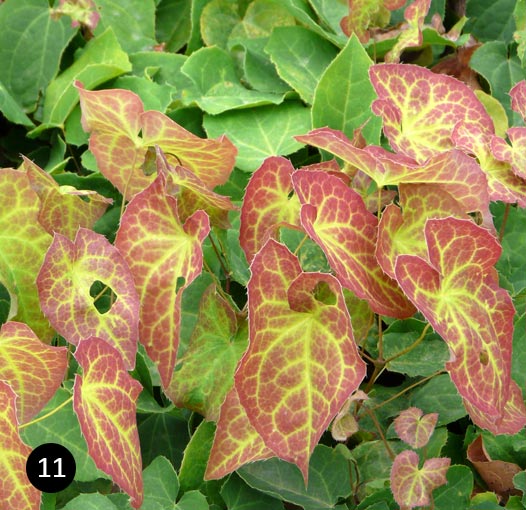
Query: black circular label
[50, 467]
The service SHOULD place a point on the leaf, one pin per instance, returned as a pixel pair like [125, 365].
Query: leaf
[261, 132]
[458, 293]
[116, 117]
[33, 369]
[415, 428]
[491, 20]
[23, 244]
[344, 94]
[328, 479]
[133, 23]
[412, 486]
[362, 15]
[66, 276]
[12, 111]
[218, 19]
[62, 209]
[204, 373]
[83, 13]
[501, 71]
[457, 491]
[239, 496]
[159, 251]
[300, 56]
[236, 441]
[16, 492]
[104, 399]
[420, 108]
[335, 217]
[160, 485]
[266, 205]
[412, 35]
[302, 362]
[90, 501]
[173, 24]
[400, 233]
[61, 95]
[32, 44]
[219, 89]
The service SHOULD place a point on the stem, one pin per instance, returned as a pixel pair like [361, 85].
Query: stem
[219, 287]
[66, 402]
[221, 263]
[371, 414]
[380, 341]
[412, 346]
[504, 221]
[405, 390]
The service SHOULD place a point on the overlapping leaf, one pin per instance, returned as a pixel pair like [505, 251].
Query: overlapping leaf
[302, 362]
[121, 132]
[412, 486]
[207, 367]
[69, 270]
[451, 170]
[415, 428]
[457, 291]
[160, 251]
[236, 441]
[104, 399]
[16, 492]
[267, 205]
[23, 243]
[33, 369]
[420, 108]
[336, 218]
[404, 232]
[62, 209]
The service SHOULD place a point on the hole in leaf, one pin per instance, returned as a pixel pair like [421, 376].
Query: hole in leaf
[103, 296]
[5, 304]
[323, 293]
[291, 194]
[149, 166]
[484, 357]
[180, 283]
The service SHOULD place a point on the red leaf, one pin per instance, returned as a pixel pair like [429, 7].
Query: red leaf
[104, 399]
[16, 491]
[415, 428]
[159, 251]
[457, 291]
[236, 441]
[64, 281]
[266, 205]
[33, 369]
[302, 362]
[336, 218]
[412, 486]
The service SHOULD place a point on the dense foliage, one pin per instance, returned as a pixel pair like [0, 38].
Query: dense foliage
[264, 254]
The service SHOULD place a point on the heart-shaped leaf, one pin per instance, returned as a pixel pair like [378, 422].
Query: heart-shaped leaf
[415, 428]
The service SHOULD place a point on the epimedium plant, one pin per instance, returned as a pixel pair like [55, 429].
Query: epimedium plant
[206, 323]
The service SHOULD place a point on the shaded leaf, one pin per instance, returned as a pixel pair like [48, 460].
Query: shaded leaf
[69, 270]
[104, 399]
[302, 362]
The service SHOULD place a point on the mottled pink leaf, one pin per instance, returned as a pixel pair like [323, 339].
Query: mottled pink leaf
[64, 282]
[104, 399]
[415, 428]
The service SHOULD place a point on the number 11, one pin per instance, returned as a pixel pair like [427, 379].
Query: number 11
[57, 461]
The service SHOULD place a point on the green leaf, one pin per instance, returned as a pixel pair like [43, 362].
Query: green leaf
[101, 60]
[490, 20]
[501, 71]
[301, 56]
[328, 479]
[331, 13]
[261, 132]
[153, 95]
[216, 85]
[457, 491]
[93, 501]
[31, 45]
[217, 21]
[239, 496]
[440, 396]
[63, 428]
[160, 485]
[173, 24]
[192, 500]
[426, 358]
[133, 22]
[344, 94]
[11, 109]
